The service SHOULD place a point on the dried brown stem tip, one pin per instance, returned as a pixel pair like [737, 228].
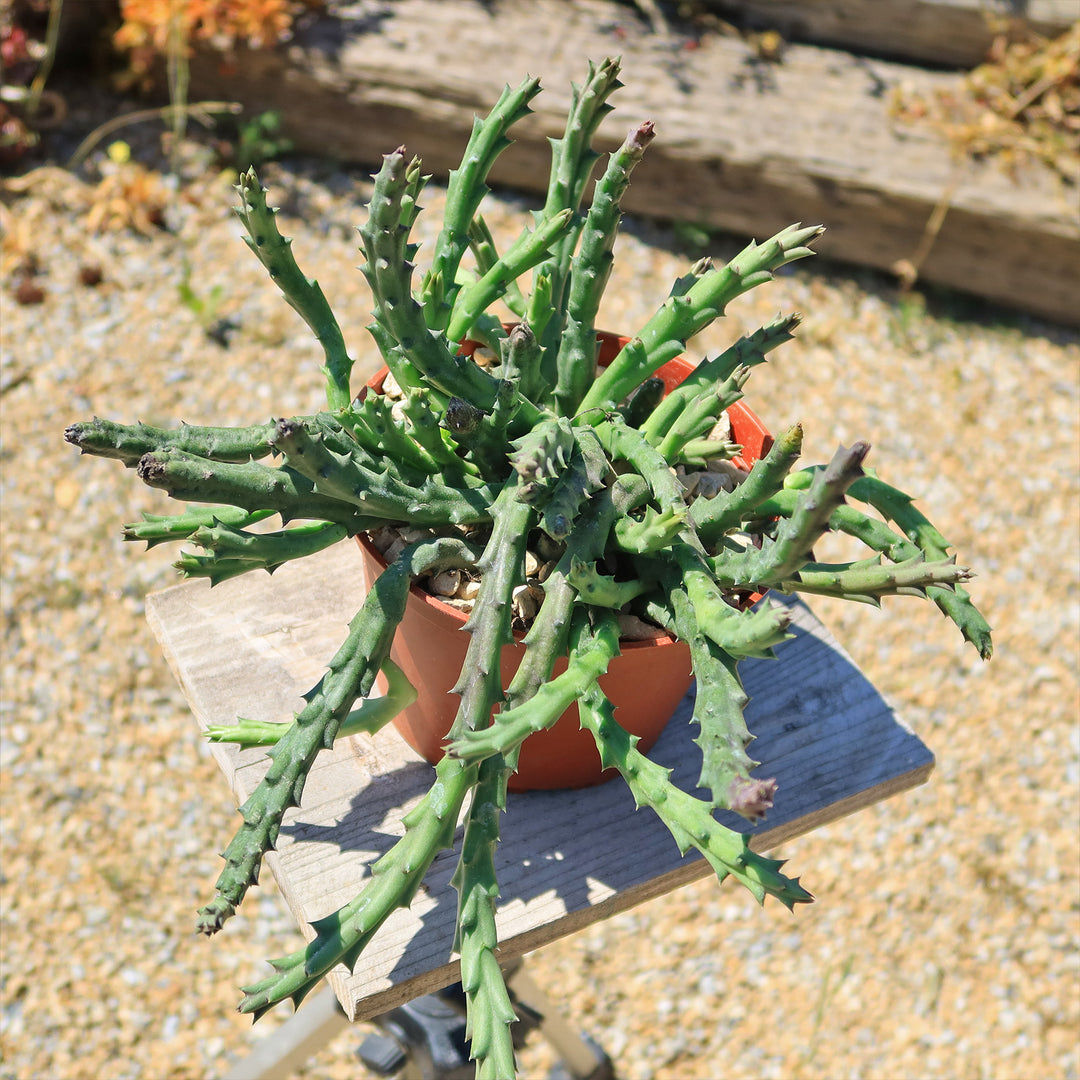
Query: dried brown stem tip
[642, 135]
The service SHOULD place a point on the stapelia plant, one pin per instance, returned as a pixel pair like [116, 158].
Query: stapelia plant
[485, 461]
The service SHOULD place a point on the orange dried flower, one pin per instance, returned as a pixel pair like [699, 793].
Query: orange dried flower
[152, 27]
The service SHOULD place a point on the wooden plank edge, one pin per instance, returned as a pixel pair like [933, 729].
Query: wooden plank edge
[954, 33]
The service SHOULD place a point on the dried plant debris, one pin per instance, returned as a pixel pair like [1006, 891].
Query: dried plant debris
[1021, 106]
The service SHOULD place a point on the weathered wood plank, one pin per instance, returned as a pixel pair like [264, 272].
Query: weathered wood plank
[954, 33]
[252, 645]
[744, 146]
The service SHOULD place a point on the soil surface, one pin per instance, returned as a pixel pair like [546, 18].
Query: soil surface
[943, 939]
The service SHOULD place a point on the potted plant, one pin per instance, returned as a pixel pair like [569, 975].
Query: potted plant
[623, 480]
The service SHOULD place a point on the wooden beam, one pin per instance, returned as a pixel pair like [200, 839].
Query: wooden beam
[950, 33]
[744, 146]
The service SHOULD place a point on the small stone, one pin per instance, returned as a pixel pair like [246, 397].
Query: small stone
[721, 431]
[689, 481]
[383, 537]
[457, 603]
[631, 628]
[468, 589]
[446, 583]
[526, 603]
[28, 292]
[90, 275]
[549, 548]
[710, 484]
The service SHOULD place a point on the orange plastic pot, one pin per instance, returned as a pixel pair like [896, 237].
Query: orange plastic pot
[645, 682]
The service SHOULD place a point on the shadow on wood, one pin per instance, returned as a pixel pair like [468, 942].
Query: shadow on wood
[254, 644]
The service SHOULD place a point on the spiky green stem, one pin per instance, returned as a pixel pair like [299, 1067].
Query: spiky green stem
[340, 938]
[866, 580]
[922, 537]
[350, 676]
[465, 190]
[482, 245]
[719, 702]
[406, 373]
[166, 528]
[602, 590]
[541, 316]
[373, 714]
[377, 430]
[585, 474]
[748, 352]
[699, 452]
[489, 1012]
[374, 487]
[415, 182]
[742, 634]
[955, 603]
[547, 637]
[682, 285]
[665, 335]
[652, 533]
[251, 487]
[530, 248]
[572, 161]
[521, 360]
[728, 509]
[128, 442]
[540, 456]
[501, 568]
[388, 269]
[232, 552]
[626, 444]
[511, 727]
[590, 270]
[689, 820]
[428, 434]
[701, 416]
[303, 294]
[779, 559]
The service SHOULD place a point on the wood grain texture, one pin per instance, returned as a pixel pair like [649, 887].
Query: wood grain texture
[253, 645]
[743, 146]
[955, 33]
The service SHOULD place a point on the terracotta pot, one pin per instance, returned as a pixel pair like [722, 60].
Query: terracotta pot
[645, 682]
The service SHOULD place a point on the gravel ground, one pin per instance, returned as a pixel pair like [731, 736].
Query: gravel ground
[944, 939]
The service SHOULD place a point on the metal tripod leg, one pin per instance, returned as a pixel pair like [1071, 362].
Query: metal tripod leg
[416, 1038]
[425, 1039]
[308, 1030]
[582, 1058]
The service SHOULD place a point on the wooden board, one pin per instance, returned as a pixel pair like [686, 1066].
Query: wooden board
[743, 146]
[953, 33]
[252, 645]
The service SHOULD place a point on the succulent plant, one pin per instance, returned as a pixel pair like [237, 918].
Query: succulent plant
[481, 462]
